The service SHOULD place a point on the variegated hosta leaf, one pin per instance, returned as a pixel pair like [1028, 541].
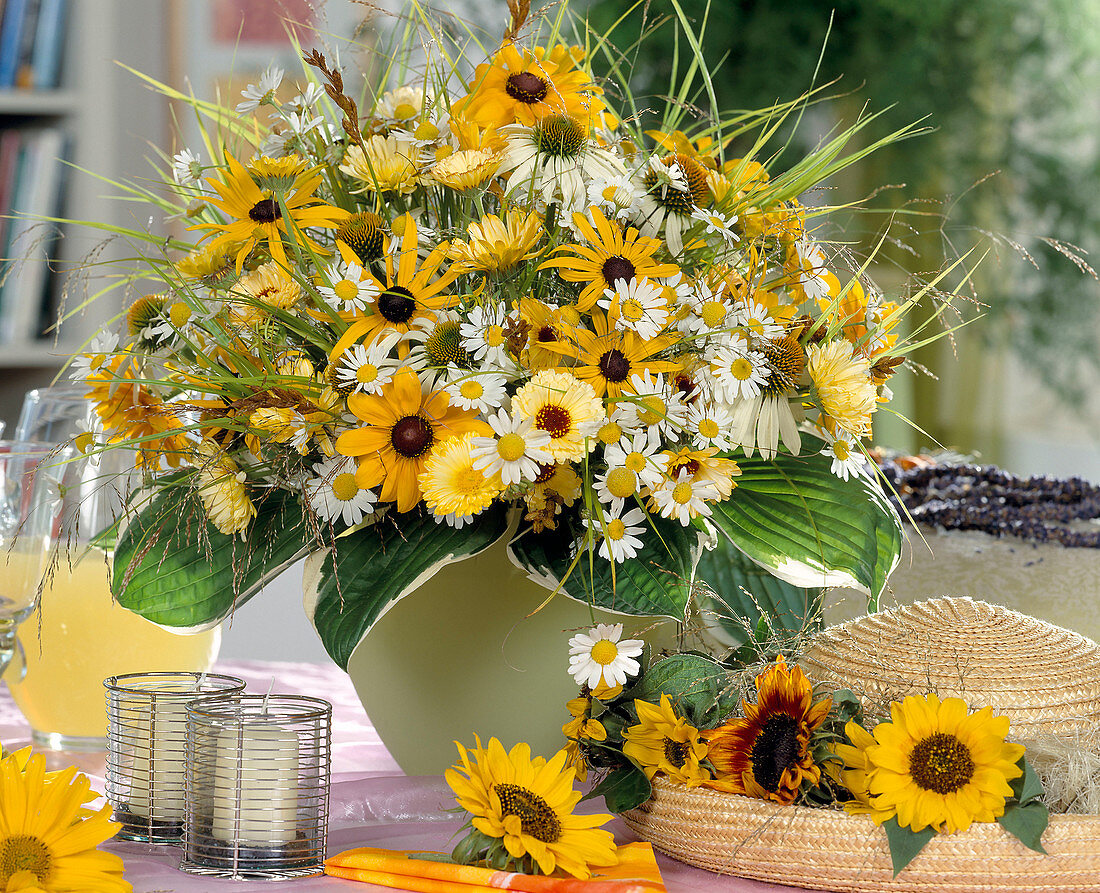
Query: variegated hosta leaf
[792, 515]
[173, 567]
[657, 582]
[352, 585]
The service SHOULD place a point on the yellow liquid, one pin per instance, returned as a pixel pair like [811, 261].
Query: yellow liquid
[85, 637]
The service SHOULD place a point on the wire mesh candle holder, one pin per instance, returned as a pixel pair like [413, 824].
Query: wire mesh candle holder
[147, 748]
[257, 786]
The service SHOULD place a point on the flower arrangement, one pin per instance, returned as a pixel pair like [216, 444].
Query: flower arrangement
[410, 320]
[932, 767]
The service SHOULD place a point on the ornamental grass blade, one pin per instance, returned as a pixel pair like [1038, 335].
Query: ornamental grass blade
[364, 575]
[173, 567]
[655, 583]
[793, 516]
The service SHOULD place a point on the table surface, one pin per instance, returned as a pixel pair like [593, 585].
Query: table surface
[372, 802]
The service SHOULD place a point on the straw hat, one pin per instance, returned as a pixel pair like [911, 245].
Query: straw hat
[825, 849]
[1044, 678]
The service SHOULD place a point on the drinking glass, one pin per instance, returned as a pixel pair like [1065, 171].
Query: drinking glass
[79, 635]
[30, 507]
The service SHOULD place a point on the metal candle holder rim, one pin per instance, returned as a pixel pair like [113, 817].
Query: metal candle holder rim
[285, 707]
[120, 684]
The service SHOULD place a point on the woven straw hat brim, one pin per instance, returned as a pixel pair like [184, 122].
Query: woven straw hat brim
[825, 849]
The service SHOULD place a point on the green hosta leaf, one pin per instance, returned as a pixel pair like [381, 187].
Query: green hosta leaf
[904, 842]
[623, 789]
[172, 566]
[746, 594]
[793, 516]
[657, 582]
[368, 572]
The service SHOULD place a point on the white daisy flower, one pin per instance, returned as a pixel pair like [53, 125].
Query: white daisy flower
[255, 96]
[845, 452]
[617, 198]
[812, 262]
[348, 290]
[455, 520]
[516, 452]
[754, 317]
[307, 99]
[483, 335]
[301, 123]
[717, 224]
[400, 104]
[333, 493]
[368, 369]
[656, 406]
[710, 311]
[480, 391]
[637, 305]
[709, 423]
[99, 349]
[637, 455]
[187, 168]
[599, 655]
[620, 423]
[618, 535]
[739, 373]
[683, 499]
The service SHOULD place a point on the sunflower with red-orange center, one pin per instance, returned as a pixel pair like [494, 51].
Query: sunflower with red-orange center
[766, 754]
[525, 86]
[403, 425]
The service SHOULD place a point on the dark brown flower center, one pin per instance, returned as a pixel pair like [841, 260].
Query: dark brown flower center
[941, 763]
[527, 87]
[676, 752]
[775, 750]
[412, 436]
[787, 360]
[265, 211]
[554, 420]
[396, 304]
[617, 267]
[545, 334]
[545, 473]
[536, 816]
[686, 386]
[615, 366]
[690, 465]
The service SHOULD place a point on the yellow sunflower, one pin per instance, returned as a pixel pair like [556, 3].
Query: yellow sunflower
[853, 772]
[528, 803]
[256, 215]
[48, 839]
[582, 727]
[607, 357]
[766, 754]
[941, 767]
[564, 407]
[610, 255]
[523, 87]
[550, 332]
[407, 296]
[842, 383]
[450, 483]
[497, 244]
[667, 743]
[403, 426]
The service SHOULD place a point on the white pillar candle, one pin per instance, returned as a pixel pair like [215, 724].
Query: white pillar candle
[256, 785]
[156, 779]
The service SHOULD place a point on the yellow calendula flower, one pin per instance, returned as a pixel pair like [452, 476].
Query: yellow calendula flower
[766, 753]
[938, 766]
[252, 295]
[663, 742]
[842, 383]
[221, 486]
[498, 244]
[565, 408]
[450, 483]
[48, 840]
[467, 168]
[212, 264]
[528, 802]
[385, 164]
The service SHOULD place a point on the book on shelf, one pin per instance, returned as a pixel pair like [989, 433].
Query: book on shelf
[11, 32]
[48, 41]
[32, 35]
[35, 194]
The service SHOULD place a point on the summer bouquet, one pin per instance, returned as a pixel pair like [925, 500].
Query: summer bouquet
[490, 296]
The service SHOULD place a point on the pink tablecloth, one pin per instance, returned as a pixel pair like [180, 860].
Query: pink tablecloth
[372, 802]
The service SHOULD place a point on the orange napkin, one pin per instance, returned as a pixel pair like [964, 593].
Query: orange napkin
[637, 872]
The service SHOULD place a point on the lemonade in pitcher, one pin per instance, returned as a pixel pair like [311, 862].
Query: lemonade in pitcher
[75, 639]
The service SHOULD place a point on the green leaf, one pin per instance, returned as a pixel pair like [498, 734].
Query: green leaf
[792, 515]
[173, 567]
[657, 582]
[700, 689]
[1027, 787]
[1026, 823]
[623, 789]
[369, 571]
[904, 842]
[749, 604]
